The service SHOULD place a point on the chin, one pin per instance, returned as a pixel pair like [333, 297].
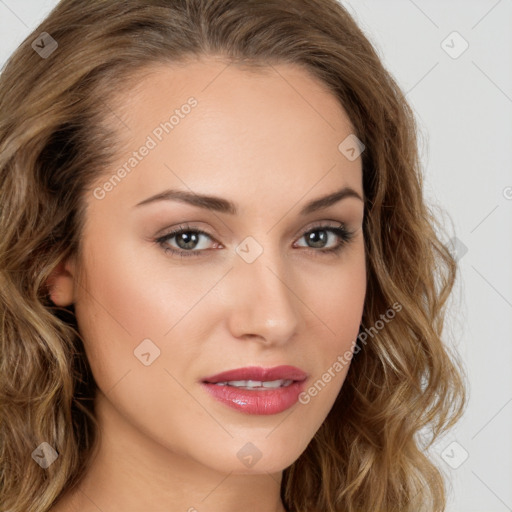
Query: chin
[258, 457]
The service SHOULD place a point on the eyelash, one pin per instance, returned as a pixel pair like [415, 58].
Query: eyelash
[344, 234]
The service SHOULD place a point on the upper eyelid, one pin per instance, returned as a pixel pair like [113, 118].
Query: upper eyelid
[318, 225]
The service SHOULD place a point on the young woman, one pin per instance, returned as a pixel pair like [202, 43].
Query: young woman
[221, 287]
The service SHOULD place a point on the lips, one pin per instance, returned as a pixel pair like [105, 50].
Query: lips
[256, 373]
[256, 390]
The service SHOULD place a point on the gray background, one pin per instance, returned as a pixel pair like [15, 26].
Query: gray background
[463, 102]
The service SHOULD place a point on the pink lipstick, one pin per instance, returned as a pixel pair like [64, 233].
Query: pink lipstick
[257, 390]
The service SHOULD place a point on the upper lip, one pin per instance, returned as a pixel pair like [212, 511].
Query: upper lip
[258, 373]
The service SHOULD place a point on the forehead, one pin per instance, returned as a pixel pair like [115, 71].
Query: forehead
[217, 127]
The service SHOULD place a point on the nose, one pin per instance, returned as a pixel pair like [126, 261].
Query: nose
[263, 305]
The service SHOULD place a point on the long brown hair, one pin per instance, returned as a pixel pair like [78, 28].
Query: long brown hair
[55, 141]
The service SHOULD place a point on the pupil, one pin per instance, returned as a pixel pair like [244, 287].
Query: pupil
[319, 241]
[190, 239]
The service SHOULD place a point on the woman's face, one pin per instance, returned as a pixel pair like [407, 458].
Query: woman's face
[253, 288]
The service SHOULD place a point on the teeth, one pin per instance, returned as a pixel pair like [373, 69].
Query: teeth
[256, 384]
[276, 383]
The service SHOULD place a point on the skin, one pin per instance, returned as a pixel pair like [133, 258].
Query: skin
[268, 141]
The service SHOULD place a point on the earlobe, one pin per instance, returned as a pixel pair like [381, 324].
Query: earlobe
[60, 284]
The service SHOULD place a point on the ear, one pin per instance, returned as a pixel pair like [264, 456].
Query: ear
[60, 284]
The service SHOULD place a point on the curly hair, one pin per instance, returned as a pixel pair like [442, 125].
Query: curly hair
[368, 455]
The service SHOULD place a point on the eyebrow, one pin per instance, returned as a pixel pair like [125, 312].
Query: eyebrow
[221, 205]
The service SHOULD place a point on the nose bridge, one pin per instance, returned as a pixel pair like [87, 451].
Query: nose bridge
[263, 302]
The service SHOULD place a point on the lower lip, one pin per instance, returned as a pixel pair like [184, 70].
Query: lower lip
[268, 401]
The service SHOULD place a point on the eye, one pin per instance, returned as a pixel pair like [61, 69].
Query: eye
[187, 240]
[318, 238]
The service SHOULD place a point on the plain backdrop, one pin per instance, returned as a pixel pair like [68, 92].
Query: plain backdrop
[454, 61]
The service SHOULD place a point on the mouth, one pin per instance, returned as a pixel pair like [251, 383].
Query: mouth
[254, 385]
[256, 390]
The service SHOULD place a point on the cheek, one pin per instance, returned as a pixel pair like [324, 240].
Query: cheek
[336, 296]
[343, 302]
[129, 298]
[126, 304]
[131, 292]
[338, 304]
